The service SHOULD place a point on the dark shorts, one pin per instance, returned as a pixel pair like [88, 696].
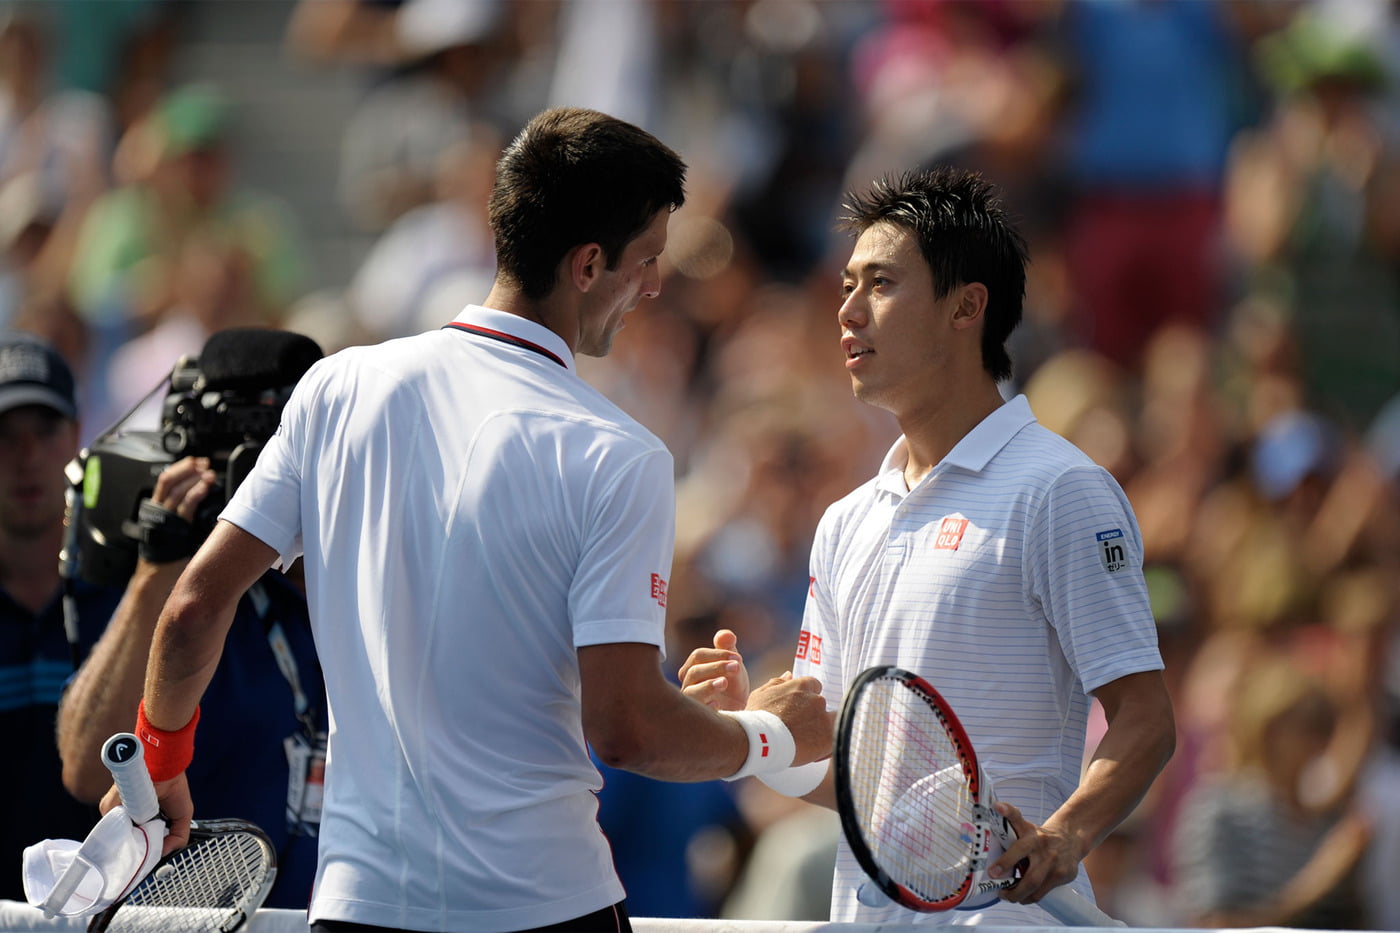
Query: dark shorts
[608, 920]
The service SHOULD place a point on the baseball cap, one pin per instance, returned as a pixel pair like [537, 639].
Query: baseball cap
[33, 373]
[194, 116]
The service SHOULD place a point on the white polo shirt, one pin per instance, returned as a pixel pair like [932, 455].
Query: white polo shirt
[1011, 579]
[471, 513]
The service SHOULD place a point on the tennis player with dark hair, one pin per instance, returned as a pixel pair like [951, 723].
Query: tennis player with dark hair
[486, 542]
[988, 554]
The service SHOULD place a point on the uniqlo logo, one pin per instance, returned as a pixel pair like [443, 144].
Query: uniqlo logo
[809, 647]
[658, 590]
[950, 534]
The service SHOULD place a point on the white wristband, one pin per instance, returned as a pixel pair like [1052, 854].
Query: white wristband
[771, 747]
[799, 781]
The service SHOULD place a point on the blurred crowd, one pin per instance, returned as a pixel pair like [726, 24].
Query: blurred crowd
[1211, 195]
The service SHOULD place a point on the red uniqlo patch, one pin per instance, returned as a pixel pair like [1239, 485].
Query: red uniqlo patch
[763, 740]
[950, 534]
[658, 590]
[803, 639]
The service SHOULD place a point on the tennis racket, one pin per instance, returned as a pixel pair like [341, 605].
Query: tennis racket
[915, 807]
[213, 884]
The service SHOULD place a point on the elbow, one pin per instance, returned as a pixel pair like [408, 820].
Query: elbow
[83, 783]
[620, 748]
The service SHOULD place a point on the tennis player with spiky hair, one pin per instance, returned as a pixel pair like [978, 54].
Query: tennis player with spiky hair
[988, 555]
[487, 541]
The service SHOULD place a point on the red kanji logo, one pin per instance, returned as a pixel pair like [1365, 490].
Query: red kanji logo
[658, 590]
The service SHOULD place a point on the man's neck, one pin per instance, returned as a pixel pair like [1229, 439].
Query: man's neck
[932, 432]
[560, 320]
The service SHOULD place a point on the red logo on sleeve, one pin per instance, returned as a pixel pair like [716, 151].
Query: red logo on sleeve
[950, 534]
[658, 590]
[809, 647]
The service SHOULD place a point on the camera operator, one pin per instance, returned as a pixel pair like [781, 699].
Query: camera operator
[263, 751]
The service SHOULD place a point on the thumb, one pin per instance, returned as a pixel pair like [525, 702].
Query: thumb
[726, 640]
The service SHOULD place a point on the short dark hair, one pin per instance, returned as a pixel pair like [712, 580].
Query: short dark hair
[965, 236]
[576, 176]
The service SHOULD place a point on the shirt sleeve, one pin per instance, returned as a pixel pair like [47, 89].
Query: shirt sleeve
[1084, 567]
[619, 592]
[818, 652]
[267, 504]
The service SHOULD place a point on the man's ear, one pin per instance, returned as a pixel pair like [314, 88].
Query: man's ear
[584, 265]
[972, 301]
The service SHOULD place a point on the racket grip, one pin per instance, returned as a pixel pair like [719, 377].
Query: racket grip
[1075, 910]
[126, 759]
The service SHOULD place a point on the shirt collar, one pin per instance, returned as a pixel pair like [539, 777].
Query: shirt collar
[974, 451]
[519, 327]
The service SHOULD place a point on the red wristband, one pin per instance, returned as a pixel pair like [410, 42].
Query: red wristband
[168, 754]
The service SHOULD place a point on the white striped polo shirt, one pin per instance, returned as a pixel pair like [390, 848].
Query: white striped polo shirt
[1011, 579]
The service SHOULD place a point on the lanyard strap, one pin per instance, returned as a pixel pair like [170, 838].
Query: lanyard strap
[511, 339]
[282, 652]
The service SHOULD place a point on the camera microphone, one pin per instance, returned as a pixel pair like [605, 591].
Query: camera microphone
[252, 358]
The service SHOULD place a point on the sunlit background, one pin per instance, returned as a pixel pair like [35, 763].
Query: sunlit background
[1211, 192]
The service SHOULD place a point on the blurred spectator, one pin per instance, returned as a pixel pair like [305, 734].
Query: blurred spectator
[345, 32]
[435, 258]
[212, 287]
[453, 56]
[27, 221]
[1271, 842]
[63, 135]
[1157, 97]
[134, 235]
[118, 49]
[1312, 198]
[55, 147]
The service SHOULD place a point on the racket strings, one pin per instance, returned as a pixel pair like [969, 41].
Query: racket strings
[206, 886]
[909, 779]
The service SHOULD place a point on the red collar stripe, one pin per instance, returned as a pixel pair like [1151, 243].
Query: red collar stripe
[508, 338]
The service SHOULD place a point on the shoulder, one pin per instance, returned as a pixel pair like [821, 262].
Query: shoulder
[850, 509]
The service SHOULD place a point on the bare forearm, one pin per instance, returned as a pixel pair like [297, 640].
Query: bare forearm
[1140, 740]
[638, 721]
[103, 696]
[184, 654]
[676, 739]
[189, 637]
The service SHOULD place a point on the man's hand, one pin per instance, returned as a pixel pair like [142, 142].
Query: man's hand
[799, 703]
[168, 535]
[175, 805]
[717, 676]
[1047, 858]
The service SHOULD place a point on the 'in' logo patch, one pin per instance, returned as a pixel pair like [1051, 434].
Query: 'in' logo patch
[1112, 549]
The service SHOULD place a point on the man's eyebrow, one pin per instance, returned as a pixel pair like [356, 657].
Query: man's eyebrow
[872, 266]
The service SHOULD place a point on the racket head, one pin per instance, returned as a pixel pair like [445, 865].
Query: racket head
[908, 791]
[214, 884]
